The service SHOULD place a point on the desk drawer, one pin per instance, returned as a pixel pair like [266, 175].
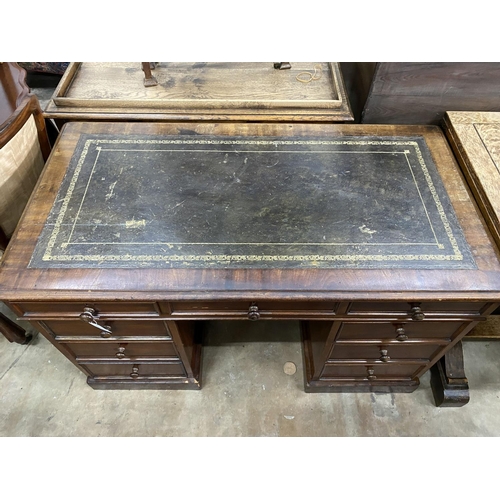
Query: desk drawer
[374, 371]
[386, 352]
[400, 331]
[121, 350]
[253, 310]
[72, 309]
[405, 308]
[118, 328]
[134, 371]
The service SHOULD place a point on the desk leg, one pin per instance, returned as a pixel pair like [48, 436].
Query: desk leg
[448, 381]
[13, 332]
[149, 79]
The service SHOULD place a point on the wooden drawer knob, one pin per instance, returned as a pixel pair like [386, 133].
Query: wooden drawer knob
[89, 315]
[121, 352]
[371, 374]
[253, 313]
[384, 356]
[401, 334]
[135, 371]
[416, 313]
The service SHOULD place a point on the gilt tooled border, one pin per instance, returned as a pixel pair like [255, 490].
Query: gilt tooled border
[457, 255]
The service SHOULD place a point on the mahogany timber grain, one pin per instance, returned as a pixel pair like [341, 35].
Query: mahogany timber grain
[420, 92]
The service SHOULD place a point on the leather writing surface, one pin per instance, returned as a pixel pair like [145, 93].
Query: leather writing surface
[207, 201]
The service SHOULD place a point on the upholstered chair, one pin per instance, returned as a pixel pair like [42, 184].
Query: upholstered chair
[24, 148]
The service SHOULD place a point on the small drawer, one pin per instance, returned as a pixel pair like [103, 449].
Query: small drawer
[371, 372]
[119, 328]
[134, 371]
[399, 331]
[121, 350]
[253, 310]
[54, 309]
[387, 352]
[405, 308]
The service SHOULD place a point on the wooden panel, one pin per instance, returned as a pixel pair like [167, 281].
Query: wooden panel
[423, 330]
[358, 78]
[316, 343]
[475, 137]
[468, 81]
[420, 93]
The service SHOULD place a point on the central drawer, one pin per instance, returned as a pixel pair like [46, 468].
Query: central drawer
[253, 310]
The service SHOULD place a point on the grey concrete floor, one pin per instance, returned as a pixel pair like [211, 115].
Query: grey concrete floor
[245, 393]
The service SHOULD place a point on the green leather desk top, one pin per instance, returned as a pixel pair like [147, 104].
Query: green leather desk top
[252, 202]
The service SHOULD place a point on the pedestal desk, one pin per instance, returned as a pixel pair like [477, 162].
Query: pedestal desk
[139, 234]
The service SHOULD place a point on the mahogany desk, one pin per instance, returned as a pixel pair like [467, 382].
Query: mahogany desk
[139, 234]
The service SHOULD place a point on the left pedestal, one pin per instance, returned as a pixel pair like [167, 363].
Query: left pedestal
[121, 346]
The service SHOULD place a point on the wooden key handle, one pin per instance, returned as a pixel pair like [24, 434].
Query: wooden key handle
[253, 313]
[121, 352]
[384, 356]
[401, 334]
[416, 313]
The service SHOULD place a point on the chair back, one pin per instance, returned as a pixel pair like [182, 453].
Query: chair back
[24, 149]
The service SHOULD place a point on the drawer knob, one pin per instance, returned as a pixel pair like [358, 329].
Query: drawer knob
[371, 374]
[135, 371]
[384, 356]
[253, 313]
[416, 313]
[401, 334]
[121, 352]
[89, 315]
